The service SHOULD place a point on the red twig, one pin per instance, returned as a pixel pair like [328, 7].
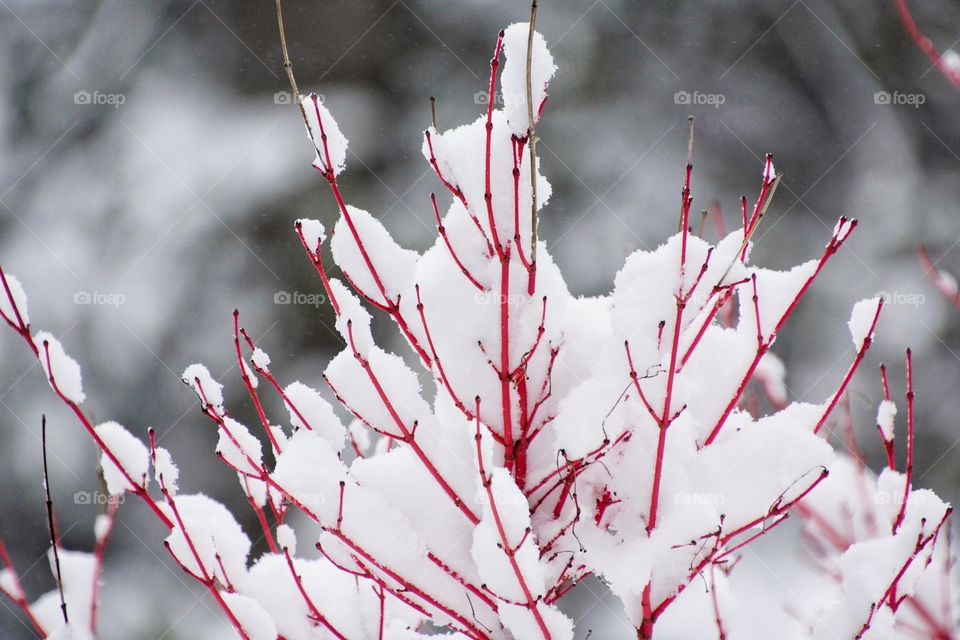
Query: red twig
[861, 352]
[510, 550]
[314, 253]
[442, 230]
[407, 433]
[925, 44]
[99, 549]
[840, 235]
[17, 595]
[391, 306]
[945, 283]
[908, 479]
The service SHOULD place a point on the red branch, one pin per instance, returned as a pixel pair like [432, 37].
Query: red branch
[505, 545]
[841, 233]
[925, 44]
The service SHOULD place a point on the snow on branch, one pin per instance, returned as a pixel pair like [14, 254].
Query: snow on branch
[644, 436]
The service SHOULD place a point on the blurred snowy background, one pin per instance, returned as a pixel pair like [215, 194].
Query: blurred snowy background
[150, 174]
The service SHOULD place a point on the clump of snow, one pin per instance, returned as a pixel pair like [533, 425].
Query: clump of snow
[19, 299]
[165, 471]
[513, 81]
[949, 282]
[394, 266]
[9, 583]
[207, 389]
[316, 411]
[72, 631]
[861, 320]
[101, 527]
[260, 358]
[256, 623]
[310, 473]
[951, 60]
[769, 172]
[313, 231]
[771, 373]
[886, 413]
[77, 571]
[239, 448]
[63, 372]
[507, 513]
[129, 452]
[353, 318]
[776, 291]
[217, 539]
[287, 539]
[320, 125]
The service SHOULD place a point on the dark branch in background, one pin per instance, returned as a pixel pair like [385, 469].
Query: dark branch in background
[50, 520]
[287, 65]
[532, 146]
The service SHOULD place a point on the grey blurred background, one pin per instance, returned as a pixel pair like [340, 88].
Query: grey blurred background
[150, 175]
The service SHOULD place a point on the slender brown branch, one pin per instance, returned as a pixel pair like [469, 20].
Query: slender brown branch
[532, 147]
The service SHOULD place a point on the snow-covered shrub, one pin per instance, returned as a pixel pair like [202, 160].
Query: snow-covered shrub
[621, 435]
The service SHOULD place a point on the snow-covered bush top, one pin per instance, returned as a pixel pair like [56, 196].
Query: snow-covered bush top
[564, 436]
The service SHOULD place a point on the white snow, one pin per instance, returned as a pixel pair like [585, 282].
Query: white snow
[256, 623]
[769, 172]
[260, 358]
[239, 448]
[321, 123]
[254, 382]
[19, 299]
[63, 369]
[129, 451]
[9, 584]
[951, 59]
[102, 526]
[77, 570]
[214, 533]
[513, 80]
[72, 631]
[393, 266]
[287, 539]
[316, 411]
[949, 282]
[416, 503]
[861, 319]
[165, 471]
[886, 413]
[207, 389]
[313, 233]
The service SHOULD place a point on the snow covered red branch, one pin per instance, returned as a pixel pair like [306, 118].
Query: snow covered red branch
[644, 436]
